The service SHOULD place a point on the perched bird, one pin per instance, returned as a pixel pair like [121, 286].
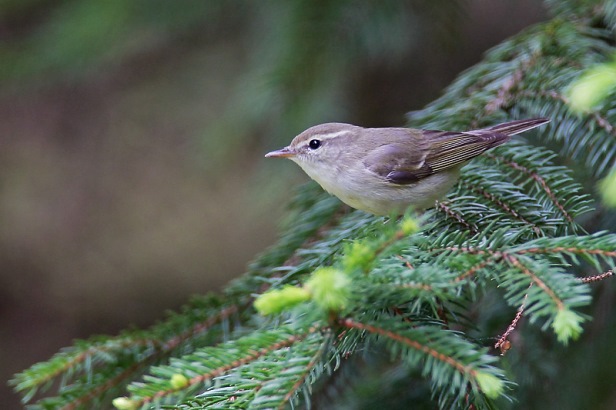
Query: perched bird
[386, 170]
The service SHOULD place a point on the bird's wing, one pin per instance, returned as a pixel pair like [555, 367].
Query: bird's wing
[421, 155]
[397, 163]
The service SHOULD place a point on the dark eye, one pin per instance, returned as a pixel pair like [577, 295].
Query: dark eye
[314, 144]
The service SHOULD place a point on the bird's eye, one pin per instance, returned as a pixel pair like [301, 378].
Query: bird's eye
[314, 144]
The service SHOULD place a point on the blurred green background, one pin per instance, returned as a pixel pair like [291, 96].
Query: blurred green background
[132, 135]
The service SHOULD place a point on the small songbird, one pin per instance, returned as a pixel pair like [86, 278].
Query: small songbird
[385, 170]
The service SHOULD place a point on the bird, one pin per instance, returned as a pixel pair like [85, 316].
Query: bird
[384, 171]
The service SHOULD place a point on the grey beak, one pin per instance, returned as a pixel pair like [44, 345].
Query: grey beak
[285, 152]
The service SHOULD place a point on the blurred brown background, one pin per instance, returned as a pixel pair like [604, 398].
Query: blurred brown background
[132, 136]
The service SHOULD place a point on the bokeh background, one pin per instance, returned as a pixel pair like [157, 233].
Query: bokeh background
[132, 135]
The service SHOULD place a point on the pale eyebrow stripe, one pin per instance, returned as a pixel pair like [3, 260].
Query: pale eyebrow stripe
[332, 135]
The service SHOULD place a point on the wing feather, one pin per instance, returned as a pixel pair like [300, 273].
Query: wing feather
[410, 155]
[428, 152]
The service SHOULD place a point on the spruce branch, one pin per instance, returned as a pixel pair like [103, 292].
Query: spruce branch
[204, 365]
[515, 229]
[119, 359]
[537, 178]
[435, 345]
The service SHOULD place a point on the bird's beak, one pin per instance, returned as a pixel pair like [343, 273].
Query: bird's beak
[285, 152]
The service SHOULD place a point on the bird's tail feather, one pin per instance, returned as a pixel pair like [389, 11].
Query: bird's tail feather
[516, 127]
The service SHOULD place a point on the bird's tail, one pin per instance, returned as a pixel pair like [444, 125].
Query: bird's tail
[516, 127]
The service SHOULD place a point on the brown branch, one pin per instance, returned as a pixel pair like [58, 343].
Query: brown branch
[200, 327]
[516, 263]
[560, 249]
[472, 251]
[505, 94]
[350, 323]
[160, 350]
[473, 269]
[455, 215]
[406, 262]
[492, 198]
[82, 400]
[255, 354]
[503, 342]
[597, 278]
[83, 356]
[301, 380]
[540, 180]
[420, 286]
